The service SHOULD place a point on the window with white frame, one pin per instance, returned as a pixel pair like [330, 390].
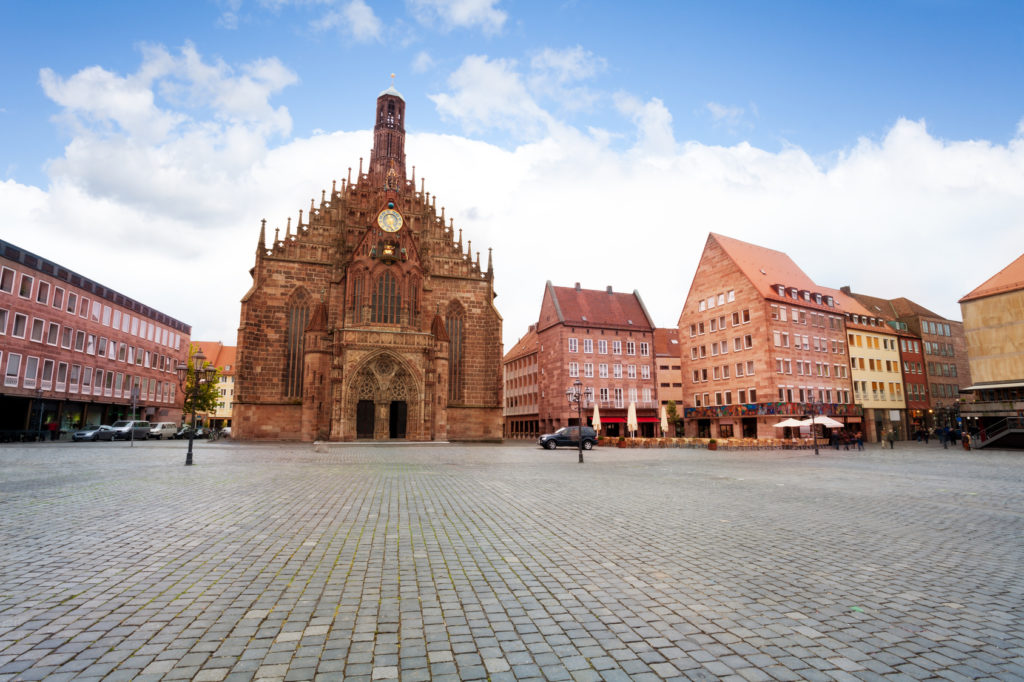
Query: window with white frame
[616, 371]
[630, 348]
[62, 376]
[588, 345]
[573, 344]
[43, 293]
[6, 280]
[645, 371]
[72, 302]
[13, 369]
[588, 369]
[37, 330]
[46, 379]
[25, 286]
[31, 370]
[53, 334]
[3, 321]
[631, 371]
[645, 349]
[602, 347]
[616, 348]
[96, 308]
[574, 369]
[618, 397]
[602, 370]
[602, 394]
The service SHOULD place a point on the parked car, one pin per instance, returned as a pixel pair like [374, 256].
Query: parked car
[201, 432]
[568, 435]
[225, 432]
[161, 429]
[123, 429]
[93, 432]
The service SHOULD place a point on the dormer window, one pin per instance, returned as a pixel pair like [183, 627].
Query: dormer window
[794, 294]
[817, 299]
[782, 290]
[828, 301]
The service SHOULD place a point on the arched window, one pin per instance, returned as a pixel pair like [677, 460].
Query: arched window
[296, 319]
[455, 326]
[387, 300]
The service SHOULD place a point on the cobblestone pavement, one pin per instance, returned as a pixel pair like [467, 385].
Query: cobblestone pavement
[508, 562]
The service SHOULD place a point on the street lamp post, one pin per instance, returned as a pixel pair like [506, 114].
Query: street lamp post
[575, 394]
[814, 436]
[200, 375]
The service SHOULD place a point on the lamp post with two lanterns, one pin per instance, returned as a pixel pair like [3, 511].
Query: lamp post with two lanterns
[576, 395]
[201, 374]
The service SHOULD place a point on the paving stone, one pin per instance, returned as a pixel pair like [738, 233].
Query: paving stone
[441, 561]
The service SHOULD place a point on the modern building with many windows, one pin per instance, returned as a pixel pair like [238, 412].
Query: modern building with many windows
[760, 341]
[74, 352]
[521, 381]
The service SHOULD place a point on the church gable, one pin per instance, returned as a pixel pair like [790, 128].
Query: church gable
[385, 264]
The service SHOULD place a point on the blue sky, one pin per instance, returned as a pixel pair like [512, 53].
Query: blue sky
[875, 142]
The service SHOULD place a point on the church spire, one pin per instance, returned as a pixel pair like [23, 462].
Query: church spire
[387, 160]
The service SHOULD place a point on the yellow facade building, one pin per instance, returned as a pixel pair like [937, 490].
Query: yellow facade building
[876, 372]
[223, 358]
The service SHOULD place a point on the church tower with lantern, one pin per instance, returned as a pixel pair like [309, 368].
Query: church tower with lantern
[369, 318]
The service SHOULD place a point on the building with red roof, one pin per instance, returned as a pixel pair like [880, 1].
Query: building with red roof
[601, 338]
[223, 358]
[760, 341]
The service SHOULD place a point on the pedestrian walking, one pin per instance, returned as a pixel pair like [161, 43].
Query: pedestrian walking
[891, 437]
[860, 440]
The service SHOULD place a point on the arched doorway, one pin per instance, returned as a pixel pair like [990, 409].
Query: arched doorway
[383, 402]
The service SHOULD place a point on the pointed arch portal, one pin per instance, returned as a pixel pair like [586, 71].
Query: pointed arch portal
[383, 400]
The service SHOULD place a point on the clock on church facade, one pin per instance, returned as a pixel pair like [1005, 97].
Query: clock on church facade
[370, 319]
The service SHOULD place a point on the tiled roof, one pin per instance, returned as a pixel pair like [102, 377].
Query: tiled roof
[524, 346]
[879, 307]
[1010, 278]
[597, 308]
[904, 307]
[218, 354]
[666, 342]
[766, 268]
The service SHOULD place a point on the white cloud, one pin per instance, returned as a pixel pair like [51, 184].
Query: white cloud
[565, 66]
[490, 94]
[731, 118]
[422, 62]
[459, 14]
[653, 123]
[163, 203]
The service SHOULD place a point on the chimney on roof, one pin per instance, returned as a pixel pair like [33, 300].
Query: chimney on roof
[577, 286]
[609, 289]
[845, 289]
[531, 328]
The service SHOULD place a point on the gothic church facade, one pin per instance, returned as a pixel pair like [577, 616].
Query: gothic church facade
[370, 319]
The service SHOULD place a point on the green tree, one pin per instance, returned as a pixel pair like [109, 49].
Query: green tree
[673, 416]
[207, 397]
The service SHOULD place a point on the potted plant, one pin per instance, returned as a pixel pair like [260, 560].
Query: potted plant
[622, 441]
[712, 444]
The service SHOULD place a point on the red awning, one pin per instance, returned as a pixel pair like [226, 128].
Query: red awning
[613, 420]
[647, 420]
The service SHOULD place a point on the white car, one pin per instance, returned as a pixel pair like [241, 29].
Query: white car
[163, 429]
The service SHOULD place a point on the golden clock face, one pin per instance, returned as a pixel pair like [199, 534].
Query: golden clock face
[389, 220]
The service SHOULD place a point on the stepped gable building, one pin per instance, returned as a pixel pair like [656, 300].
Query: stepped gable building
[994, 329]
[760, 341]
[370, 319]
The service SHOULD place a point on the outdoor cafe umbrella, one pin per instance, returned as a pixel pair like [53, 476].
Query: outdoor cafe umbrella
[597, 418]
[791, 423]
[631, 423]
[664, 421]
[827, 422]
